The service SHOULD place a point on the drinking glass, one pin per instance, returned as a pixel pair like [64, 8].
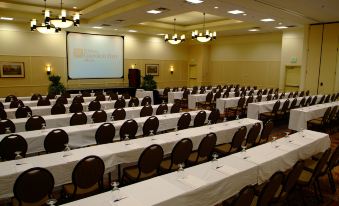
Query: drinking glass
[181, 171]
[51, 202]
[67, 151]
[127, 139]
[215, 160]
[115, 191]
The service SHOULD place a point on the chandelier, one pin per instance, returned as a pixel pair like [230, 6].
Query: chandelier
[174, 39]
[54, 25]
[205, 35]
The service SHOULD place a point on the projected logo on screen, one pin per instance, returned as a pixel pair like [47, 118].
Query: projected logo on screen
[93, 55]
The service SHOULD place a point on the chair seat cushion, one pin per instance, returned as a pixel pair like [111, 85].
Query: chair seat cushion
[304, 178]
[69, 189]
[193, 157]
[316, 121]
[166, 163]
[267, 114]
[133, 171]
[222, 148]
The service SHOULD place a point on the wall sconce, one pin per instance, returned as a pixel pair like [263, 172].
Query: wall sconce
[48, 69]
[172, 69]
[133, 66]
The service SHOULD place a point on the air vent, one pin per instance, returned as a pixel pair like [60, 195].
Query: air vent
[119, 20]
[105, 25]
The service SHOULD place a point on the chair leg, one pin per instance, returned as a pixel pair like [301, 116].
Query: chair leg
[331, 181]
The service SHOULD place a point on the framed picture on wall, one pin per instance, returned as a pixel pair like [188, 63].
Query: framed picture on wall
[12, 70]
[152, 69]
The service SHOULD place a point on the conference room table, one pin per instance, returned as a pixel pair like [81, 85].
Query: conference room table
[205, 184]
[84, 135]
[300, 116]
[63, 120]
[254, 109]
[46, 110]
[113, 154]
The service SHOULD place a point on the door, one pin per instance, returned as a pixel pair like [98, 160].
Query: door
[192, 75]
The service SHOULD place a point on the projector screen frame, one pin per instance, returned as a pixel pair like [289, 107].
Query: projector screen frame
[123, 55]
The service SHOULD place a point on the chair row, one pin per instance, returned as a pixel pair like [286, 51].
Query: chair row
[328, 122]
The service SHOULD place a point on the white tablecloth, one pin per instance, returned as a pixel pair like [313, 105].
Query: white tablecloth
[299, 117]
[63, 120]
[112, 154]
[205, 185]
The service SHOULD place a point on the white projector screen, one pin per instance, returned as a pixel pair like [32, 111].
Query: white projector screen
[91, 56]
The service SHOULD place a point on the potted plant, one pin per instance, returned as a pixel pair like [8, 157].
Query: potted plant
[56, 87]
[149, 84]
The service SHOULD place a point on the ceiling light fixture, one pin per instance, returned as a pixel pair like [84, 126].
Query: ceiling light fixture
[6, 18]
[267, 20]
[132, 31]
[174, 39]
[236, 12]
[97, 27]
[194, 1]
[281, 27]
[63, 22]
[154, 11]
[205, 35]
[254, 29]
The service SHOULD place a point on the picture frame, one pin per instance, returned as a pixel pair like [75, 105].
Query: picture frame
[12, 69]
[152, 69]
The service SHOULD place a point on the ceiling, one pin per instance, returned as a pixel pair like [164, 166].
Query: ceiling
[124, 15]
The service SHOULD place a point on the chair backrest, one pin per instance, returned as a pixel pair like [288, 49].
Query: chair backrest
[23, 112]
[184, 121]
[199, 119]
[62, 100]
[245, 196]
[78, 99]
[6, 124]
[214, 116]
[327, 98]
[276, 96]
[241, 102]
[11, 144]
[290, 95]
[152, 123]
[276, 107]
[282, 96]
[320, 166]
[266, 131]
[181, 151]
[100, 97]
[185, 94]
[105, 133]
[307, 93]
[16, 103]
[292, 177]
[2, 105]
[326, 115]
[302, 102]
[42, 180]
[50, 96]
[130, 128]
[209, 97]
[119, 114]
[10, 98]
[146, 100]
[126, 95]
[226, 94]
[99, 116]
[302, 93]
[237, 93]
[202, 91]
[58, 108]
[161, 108]
[206, 145]
[43, 102]
[88, 172]
[285, 106]
[253, 134]
[113, 96]
[120, 103]
[322, 99]
[94, 105]
[293, 103]
[78, 119]
[55, 141]
[175, 89]
[175, 108]
[264, 92]
[308, 101]
[66, 95]
[259, 97]
[146, 111]
[166, 90]
[270, 189]
[85, 93]
[76, 107]
[35, 122]
[150, 159]
[314, 100]
[333, 161]
[238, 138]
[269, 97]
[331, 117]
[133, 102]
[249, 100]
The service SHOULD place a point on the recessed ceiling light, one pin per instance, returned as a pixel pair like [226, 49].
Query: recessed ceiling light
[74, 7]
[254, 29]
[267, 20]
[161, 34]
[195, 1]
[216, 7]
[132, 31]
[142, 23]
[97, 27]
[236, 12]
[244, 14]
[115, 29]
[6, 18]
[280, 23]
[153, 11]
[281, 27]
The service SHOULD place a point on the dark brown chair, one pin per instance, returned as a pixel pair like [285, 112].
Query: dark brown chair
[100, 97]
[272, 114]
[175, 108]
[320, 123]
[302, 102]
[66, 95]
[322, 99]
[184, 121]
[118, 114]
[5, 125]
[259, 98]
[113, 96]
[235, 145]
[78, 99]
[268, 192]
[12, 144]
[164, 96]
[50, 96]
[2, 106]
[308, 101]
[86, 94]
[302, 94]
[184, 100]
[327, 98]
[105, 133]
[290, 95]
[55, 141]
[253, 135]
[120, 103]
[151, 124]
[226, 94]
[58, 108]
[16, 103]
[3, 114]
[43, 183]
[314, 100]
[161, 109]
[243, 198]
[35, 122]
[62, 100]
[78, 119]
[126, 96]
[206, 104]
[179, 155]
[94, 106]
[76, 107]
[265, 133]
[146, 111]
[307, 93]
[99, 116]
[23, 112]
[147, 167]
[232, 112]
[269, 97]
[204, 151]
[214, 116]
[10, 98]
[87, 178]
[133, 102]
[43, 102]
[199, 119]
[130, 128]
[146, 100]
[282, 113]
